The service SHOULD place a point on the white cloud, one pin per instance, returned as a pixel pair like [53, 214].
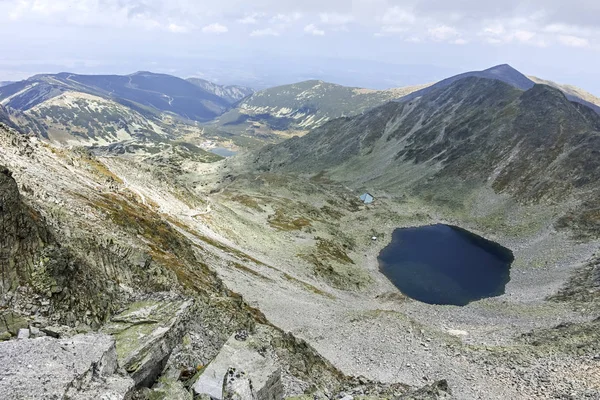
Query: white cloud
[335, 18]
[313, 30]
[497, 34]
[398, 16]
[442, 32]
[177, 28]
[264, 32]
[396, 20]
[524, 36]
[286, 18]
[215, 28]
[573, 41]
[251, 19]
[533, 23]
[495, 29]
[393, 29]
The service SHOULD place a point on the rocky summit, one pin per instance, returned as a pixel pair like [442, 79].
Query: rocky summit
[136, 264]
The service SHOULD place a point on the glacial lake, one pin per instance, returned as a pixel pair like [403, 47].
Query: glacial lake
[444, 264]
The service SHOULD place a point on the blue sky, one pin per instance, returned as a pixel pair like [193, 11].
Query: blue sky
[372, 43]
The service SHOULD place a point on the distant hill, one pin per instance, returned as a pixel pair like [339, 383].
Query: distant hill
[507, 74]
[302, 106]
[104, 109]
[4, 83]
[534, 146]
[145, 92]
[231, 93]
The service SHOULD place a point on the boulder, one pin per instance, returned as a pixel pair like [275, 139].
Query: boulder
[237, 386]
[83, 367]
[146, 333]
[261, 373]
[438, 390]
[12, 322]
[58, 331]
[169, 390]
[23, 334]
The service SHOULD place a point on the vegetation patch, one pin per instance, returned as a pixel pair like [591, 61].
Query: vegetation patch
[250, 271]
[248, 201]
[167, 247]
[283, 221]
[332, 263]
[330, 250]
[307, 286]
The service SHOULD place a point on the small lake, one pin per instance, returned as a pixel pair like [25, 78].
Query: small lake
[444, 264]
[223, 152]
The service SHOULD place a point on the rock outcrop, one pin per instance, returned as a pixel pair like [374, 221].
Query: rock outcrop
[21, 237]
[83, 367]
[240, 372]
[438, 390]
[146, 333]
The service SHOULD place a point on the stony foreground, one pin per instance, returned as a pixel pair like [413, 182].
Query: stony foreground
[80, 368]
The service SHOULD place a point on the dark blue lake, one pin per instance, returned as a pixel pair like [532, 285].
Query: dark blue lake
[444, 264]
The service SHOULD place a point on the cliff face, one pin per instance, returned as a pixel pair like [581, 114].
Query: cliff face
[22, 237]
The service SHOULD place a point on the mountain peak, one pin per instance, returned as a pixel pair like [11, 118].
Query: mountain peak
[502, 67]
[502, 72]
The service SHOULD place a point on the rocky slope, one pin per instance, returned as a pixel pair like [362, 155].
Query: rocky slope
[508, 164]
[131, 253]
[573, 93]
[231, 93]
[534, 146]
[302, 106]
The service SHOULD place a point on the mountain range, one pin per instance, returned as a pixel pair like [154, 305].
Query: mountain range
[514, 78]
[302, 106]
[145, 92]
[535, 145]
[102, 109]
[144, 266]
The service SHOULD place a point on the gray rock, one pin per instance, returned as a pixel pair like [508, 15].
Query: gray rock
[438, 390]
[20, 236]
[36, 332]
[23, 334]
[12, 322]
[80, 368]
[58, 331]
[261, 372]
[169, 390]
[146, 333]
[237, 386]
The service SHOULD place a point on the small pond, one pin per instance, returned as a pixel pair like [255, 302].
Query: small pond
[444, 264]
[223, 152]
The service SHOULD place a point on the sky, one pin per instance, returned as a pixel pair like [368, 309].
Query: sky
[369, 43]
